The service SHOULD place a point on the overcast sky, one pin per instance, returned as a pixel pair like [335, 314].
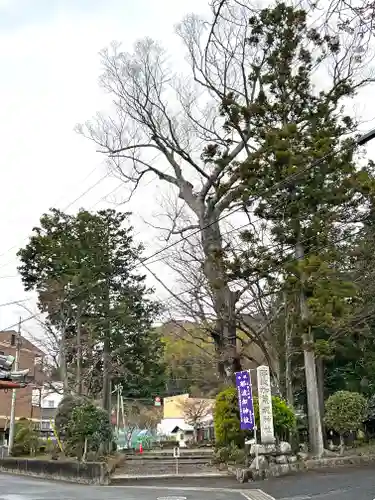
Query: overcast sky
[49, 82]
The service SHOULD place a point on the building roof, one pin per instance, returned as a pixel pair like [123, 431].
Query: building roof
[25, 343]
[183, 427]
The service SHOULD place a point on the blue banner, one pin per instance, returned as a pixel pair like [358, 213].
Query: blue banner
[245, 400]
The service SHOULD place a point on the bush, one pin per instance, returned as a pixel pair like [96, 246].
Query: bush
[25, 439]
[227, 419]
[88, 428]
[64, 413]
[230, 454]
[284, 418]
[345, 411]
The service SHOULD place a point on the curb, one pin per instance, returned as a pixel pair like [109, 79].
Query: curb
[115, 480]
[244, 475]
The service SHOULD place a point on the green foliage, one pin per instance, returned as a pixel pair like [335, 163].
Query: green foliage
[25, 438]
[294, 133]
[64, 413]
[88, 422]
[345, 411]
[83, 269]
[189, 355]
[230, 454]
[227, 418]
[304, 185]
[284, 418]
[370, 409]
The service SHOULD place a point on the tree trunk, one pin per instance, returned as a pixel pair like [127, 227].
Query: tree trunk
[106, 378]
[106, 392]
[288, 358]
[224, 300]
[320, 376]
[62, 363]
[342, 444]
[79, 355]
[84, 451]
[315, 424]
[288, 379]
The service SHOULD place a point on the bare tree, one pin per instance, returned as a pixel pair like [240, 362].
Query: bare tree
[150, 417]
[254, 310]
[195, 410]
[178, 118]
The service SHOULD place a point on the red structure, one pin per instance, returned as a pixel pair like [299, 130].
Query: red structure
[7, 384]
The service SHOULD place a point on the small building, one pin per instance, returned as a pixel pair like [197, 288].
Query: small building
[176, 424]
[48, 399]
[183, 433]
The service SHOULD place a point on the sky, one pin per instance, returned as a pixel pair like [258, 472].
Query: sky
[49, 82]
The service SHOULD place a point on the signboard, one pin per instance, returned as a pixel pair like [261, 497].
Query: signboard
[245, 400]
[265, 405]
[157, 401]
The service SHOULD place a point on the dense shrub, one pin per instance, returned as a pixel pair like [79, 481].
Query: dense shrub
[230, 454]
[284, 418]
[227, 419]
[345, 411]
[64, 412]
[88, 428]
[25, 439]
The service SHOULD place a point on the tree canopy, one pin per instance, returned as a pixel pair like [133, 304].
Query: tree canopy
[259, 126]
[84, 268]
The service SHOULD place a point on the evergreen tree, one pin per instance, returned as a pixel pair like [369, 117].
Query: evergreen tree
[83, 269]
[300, 179]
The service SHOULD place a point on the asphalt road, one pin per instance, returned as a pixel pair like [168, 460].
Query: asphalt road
[20, 488]
[349, 483]
[343, 484]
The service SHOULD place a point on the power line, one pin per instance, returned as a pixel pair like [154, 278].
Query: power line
[278, 185]
[287, 180]
[90, 188]
[13, 302]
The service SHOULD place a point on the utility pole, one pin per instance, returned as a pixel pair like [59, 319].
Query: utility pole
[12, 422]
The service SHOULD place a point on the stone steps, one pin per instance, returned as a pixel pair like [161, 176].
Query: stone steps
[145, 465]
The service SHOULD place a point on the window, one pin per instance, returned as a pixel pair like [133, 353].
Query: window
[2, 353]
[51, 403]
[13, 340]
[46, 425]
[35, 397]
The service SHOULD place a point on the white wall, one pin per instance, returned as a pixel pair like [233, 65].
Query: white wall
[51, 398]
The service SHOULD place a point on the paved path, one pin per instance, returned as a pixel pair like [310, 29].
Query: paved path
[20, 488]
[349, 483]
[343, 484]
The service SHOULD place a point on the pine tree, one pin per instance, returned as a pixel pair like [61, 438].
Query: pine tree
[83, 268]
[299, 179]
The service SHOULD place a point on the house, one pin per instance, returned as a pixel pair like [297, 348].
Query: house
[30, 357]
[179, 413]
[47, 398]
